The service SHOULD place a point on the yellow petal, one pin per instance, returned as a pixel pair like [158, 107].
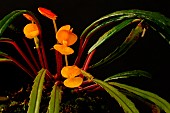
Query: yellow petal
[73, 82]
[64, 50]
[65, 35]
[48, 13]
[31, 30]
[70, 71]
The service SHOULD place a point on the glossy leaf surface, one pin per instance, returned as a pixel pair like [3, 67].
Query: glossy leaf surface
[127, 74]
[160, 102]
[127, 105]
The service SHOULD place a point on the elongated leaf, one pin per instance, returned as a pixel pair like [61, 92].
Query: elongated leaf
[110, 33]
[157, 18]
[87, 75]
[54, 104]
[8, 19]
[100, 24]
[123, 48]
[3, 39]
[17, 63]
[104, 21]
[127, 74]
[152, 17]
[160, 102]
[127, 105]
[5, 60]
[36, 93]
[155, 108]
[157, 21]
[2, 21]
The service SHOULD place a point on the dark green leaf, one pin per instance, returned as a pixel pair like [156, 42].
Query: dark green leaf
[100, 24]
[160, 102]
[127, 105]
[123, 48]
[8, 19]
[127, 74]
[110, 33]
[159, 20]
[36, 93]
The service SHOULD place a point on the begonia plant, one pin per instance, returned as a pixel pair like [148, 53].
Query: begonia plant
[77, 77]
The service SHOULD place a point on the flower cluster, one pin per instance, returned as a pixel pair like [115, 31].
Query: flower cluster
[71, 73]
[65, 38]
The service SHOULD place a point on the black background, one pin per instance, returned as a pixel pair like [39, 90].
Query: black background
[151, 54]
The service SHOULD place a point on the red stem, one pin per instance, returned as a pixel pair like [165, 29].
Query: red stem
[21, 53]
[85, 37]
[41, 51]
[86, 82]
[96, 89]
[43, 54]
[50, 76]
[88, 59]
[19, 65]
[87, 88]
[82, 46]
[31, 54]
[59, 64]
[40, 57]
[77, 61]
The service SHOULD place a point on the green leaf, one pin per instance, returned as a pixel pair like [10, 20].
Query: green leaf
[127, 105]
[160, 102]
[100, 24]
[8, 19]
[36, 93]
[151, 17]
[127, 74]
[4, 55]
[110, 33]
[123, 48]
[5, 60]
[157, 20]
[54, 104]
[87, 75]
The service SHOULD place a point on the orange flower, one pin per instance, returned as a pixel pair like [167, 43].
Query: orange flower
[31, 30]
[70, 72]
[47, 13]
[66, 36]
[66, 27]
[64, 50]
[73, 82]
[27, 16]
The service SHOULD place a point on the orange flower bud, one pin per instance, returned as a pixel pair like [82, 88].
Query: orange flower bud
[27, 16]
[31, 30]
[48, 13]
[73, 82]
